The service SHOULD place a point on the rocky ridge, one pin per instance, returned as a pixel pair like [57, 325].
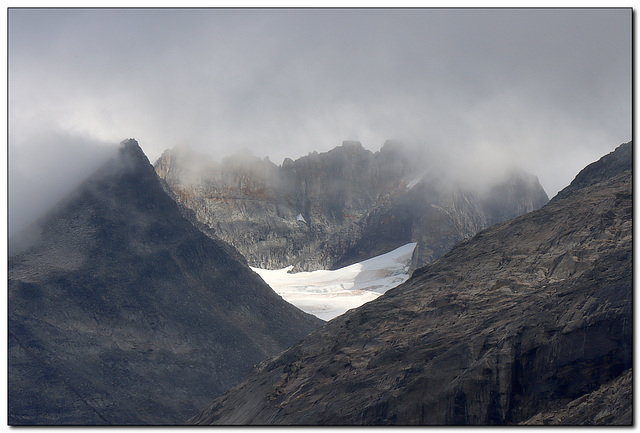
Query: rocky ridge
[523, 323]
[122, 312]
[333, 209]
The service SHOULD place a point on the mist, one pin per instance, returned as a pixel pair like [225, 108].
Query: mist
[38, 181]
[548, 90]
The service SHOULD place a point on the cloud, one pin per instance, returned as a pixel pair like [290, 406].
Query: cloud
[44, 168]
[549, 90]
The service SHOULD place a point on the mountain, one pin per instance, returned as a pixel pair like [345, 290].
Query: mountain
[616, 162]
[122, 312]
[529, 321]
[611, 404]
[333, 209]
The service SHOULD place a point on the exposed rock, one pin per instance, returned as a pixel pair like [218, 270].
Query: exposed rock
[122, 312]
[611, 404]
[329, 210]
[524, 318]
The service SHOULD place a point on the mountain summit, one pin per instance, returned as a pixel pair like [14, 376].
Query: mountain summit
[122, 312]
[333, 209]
[530, 321]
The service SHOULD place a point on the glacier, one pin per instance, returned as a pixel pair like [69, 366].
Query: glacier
[327, 294]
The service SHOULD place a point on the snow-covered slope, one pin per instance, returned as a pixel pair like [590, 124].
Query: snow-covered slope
[328, 294]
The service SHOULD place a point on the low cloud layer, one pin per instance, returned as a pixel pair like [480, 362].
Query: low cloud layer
[548, 90]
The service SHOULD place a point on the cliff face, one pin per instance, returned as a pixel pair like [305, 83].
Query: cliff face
[325, 211]
[529, 321]
[122, 312]
[611, 404]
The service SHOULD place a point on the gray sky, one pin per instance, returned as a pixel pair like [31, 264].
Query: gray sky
[549, 90]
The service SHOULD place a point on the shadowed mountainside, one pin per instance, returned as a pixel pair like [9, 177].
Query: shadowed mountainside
[528, 321]
[122, 312]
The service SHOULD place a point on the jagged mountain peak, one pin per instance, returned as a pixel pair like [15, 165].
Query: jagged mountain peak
[123, 312]
[355, 203]
[352, 145]
[348, 151]
[131, 145]
[130, 151]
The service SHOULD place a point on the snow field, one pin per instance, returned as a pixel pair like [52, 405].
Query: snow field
[327, 294]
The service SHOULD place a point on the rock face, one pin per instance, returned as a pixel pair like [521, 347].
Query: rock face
[122, 312]
[611, 404]
[329, 210]
[525, 322]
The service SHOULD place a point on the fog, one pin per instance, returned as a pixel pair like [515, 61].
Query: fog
[37, 181]
[547, 90]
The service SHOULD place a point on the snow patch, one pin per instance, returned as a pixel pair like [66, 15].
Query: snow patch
[327, 294]
[415, 181]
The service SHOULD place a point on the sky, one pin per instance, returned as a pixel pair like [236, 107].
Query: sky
[546, 89]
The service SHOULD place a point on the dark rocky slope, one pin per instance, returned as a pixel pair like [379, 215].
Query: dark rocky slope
[333, 209]
[611, 404]
[517, 322]
[122, 312]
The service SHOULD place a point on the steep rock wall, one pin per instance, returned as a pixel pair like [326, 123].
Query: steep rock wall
[329, 210]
